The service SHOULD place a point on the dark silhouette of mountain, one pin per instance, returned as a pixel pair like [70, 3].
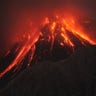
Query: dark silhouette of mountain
[75, 76]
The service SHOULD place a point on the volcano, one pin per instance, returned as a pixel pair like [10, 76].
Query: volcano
[56, 39]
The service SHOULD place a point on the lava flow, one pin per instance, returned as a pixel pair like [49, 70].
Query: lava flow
[63, 31]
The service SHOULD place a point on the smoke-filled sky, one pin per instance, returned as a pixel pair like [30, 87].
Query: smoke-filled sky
[12, 11]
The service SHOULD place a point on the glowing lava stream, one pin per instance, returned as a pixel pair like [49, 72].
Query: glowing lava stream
[23, 52]
[65, 25]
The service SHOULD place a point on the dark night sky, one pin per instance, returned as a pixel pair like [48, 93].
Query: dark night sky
[11, 10]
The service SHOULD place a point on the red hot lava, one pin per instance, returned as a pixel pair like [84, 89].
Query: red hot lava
[65, 30]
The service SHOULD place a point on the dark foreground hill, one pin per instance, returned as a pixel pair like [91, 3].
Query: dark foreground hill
[75, 76]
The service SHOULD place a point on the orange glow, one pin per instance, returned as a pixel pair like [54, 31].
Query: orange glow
[67, 25]
[23, 51]
[57, 28]
[75, 29]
